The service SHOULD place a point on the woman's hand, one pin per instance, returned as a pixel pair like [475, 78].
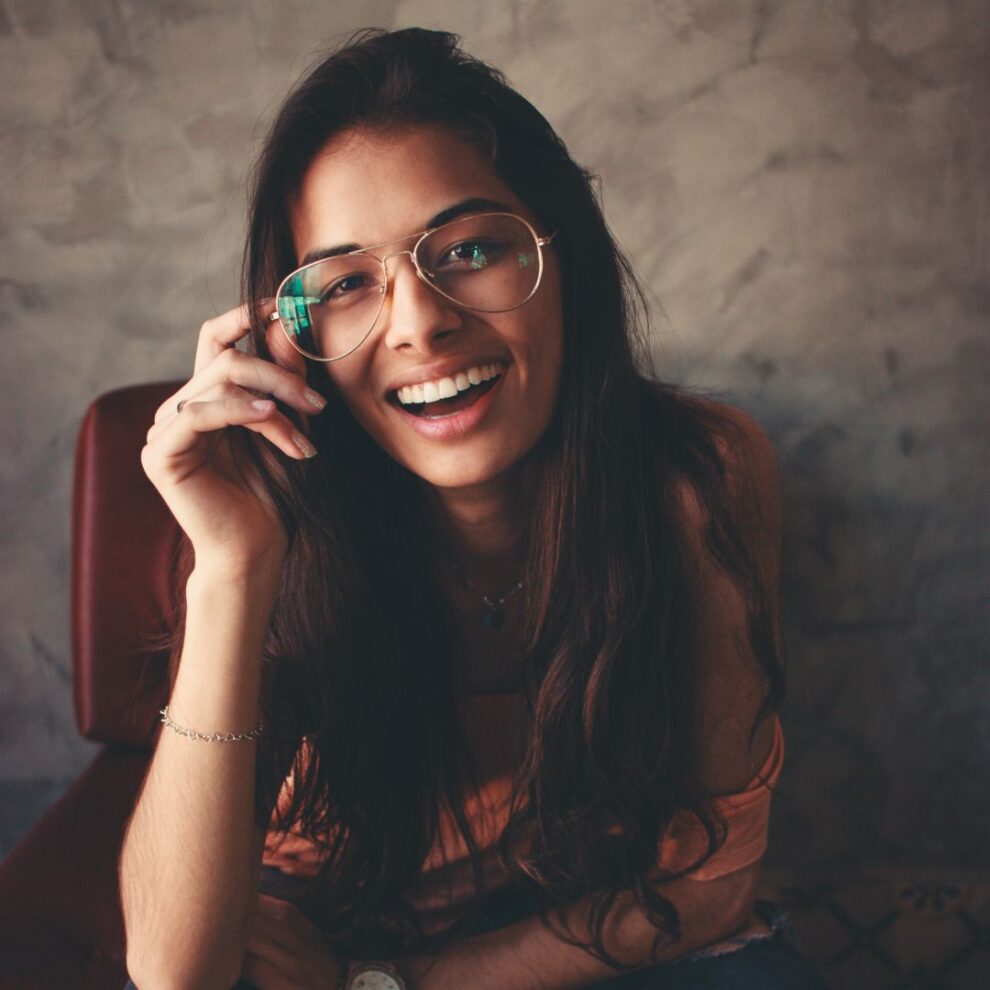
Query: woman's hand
[198, 464]
[285, 950]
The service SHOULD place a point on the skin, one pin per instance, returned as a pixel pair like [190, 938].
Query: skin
[369, 188]
[366, 188]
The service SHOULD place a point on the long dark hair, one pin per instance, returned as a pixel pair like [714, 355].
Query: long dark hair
[359, 636]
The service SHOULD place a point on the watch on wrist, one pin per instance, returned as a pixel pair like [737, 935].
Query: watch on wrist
[373, 976]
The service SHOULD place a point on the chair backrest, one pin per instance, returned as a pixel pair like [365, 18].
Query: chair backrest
[123, 546]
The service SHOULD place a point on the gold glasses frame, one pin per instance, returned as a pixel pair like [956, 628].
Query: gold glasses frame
[426, 277]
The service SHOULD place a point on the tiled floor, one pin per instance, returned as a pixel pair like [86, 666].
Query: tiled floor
[891, 930]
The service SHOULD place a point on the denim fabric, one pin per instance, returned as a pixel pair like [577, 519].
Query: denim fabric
[770, 963]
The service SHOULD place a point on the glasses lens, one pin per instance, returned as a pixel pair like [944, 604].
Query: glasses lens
[329, 307]
[489, 263]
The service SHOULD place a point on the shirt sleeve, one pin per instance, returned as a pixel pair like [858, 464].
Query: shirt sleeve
[747, 817]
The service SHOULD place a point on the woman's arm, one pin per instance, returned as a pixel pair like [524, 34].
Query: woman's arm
[526, 956]
[191, 856]
[190, 861]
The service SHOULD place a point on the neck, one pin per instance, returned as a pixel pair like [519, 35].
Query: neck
[482, 529]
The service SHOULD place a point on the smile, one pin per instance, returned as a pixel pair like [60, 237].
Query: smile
[453, 417]
[429, 392]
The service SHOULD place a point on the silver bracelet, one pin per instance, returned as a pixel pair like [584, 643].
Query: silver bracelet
[213, 736]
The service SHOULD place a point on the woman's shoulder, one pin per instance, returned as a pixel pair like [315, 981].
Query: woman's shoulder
[742, 495]
[740, 456]
[741, 439]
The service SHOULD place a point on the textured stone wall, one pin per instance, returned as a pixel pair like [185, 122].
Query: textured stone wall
[803, 186]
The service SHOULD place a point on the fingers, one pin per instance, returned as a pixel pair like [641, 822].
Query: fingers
[282, 924]
[284, 944]
[264, 949]
[251, 374]
[183, 430]
[261, 973]
[225, 380]
[221, 332]
[286, 355]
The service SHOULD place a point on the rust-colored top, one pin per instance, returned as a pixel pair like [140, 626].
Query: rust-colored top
[491, 723]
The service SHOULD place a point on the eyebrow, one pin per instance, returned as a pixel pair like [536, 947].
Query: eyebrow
[473, 205]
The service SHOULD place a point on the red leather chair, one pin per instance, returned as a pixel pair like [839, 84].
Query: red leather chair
[60, 917]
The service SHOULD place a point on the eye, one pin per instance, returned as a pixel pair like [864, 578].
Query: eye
[346, 286]
[474, 254]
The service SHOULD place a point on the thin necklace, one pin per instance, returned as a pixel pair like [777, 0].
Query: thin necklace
[494, 617]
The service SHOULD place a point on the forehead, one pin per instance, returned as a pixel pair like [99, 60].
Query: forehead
[371, 186]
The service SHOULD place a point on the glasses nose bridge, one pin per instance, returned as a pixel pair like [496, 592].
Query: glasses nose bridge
[385, 258]
[420, 273]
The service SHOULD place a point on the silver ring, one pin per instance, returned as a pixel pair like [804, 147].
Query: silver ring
[179, 405]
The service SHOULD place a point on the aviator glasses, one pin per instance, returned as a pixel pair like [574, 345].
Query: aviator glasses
[486, 262]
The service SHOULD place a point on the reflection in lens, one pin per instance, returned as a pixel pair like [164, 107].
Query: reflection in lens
[332, 304]
[293, 309]
[488, 263]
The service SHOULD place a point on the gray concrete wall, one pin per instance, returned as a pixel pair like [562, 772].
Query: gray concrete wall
[803, 186]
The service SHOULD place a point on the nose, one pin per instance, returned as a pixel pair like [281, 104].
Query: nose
[414, 315]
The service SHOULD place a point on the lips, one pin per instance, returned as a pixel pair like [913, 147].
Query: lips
[444, 407]
[466, 412]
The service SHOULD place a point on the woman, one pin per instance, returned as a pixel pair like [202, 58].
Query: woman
[484, 616]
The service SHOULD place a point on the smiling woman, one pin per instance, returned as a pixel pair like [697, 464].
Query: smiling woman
[502, 605]
[378, 186]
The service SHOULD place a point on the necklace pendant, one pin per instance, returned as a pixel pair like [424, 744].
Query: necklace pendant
[494, 618]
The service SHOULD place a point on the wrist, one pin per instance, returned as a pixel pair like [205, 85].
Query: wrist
[267, 557]
[227, 615]
[372, 975]
[257, 579]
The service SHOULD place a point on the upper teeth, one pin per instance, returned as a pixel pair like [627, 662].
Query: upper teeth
[447, 388]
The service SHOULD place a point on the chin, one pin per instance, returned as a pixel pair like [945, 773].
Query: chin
[453, 472]
[455, 476]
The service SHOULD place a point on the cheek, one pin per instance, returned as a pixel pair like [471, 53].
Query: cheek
[551, 346]
[344, 385]
[552, 317]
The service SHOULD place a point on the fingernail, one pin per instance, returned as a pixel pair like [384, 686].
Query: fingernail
[262, 405]
[305, 447]
[314, 398]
